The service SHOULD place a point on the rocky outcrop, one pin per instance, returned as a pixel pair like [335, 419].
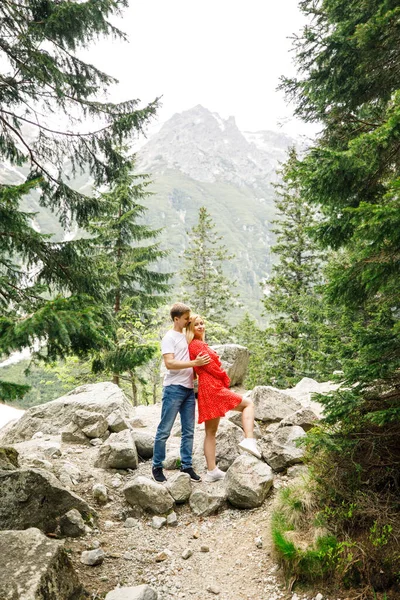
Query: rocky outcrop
[248, 482]
[149, 495]
[35, 498]
[272, 405]
[235, 360]
[50, 418]
[34, 567]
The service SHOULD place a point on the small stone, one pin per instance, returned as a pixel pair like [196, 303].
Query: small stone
[187, 553]
[131, 522]
[196, 534]
[116, 483]
[319, 597]
[72, 524]
[158, 522]
[103, 578]
[213, 589]
[258, 542]
[99, 491]
[95, 544]
[108, 524]
[92, 557]
[172, 520]
[96, 442]
[37, 435]
[164, 555]
[127, 556]
[204, 549]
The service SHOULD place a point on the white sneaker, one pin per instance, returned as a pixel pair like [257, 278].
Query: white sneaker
[250, 445]
[215, 475]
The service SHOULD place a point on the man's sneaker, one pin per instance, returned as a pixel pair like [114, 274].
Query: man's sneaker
[193, 474]
[158, 475]
[215, 475]
[250, 445]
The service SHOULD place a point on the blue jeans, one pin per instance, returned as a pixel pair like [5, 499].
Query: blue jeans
[176, 399]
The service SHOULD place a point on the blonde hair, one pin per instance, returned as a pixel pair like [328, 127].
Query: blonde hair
[190, 328]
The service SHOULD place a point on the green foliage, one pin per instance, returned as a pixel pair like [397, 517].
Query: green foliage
[249, 334]
[209, 290]
[50, 293]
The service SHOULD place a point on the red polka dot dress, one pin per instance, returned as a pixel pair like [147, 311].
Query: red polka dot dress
[214, 397]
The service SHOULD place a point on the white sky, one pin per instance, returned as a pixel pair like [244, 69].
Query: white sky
[227, 55]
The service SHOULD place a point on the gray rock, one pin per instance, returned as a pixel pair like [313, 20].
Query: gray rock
[173, 460]
[34, 567]
[72, 471]
[93, 424]
[187, 553]
[8, 459]
[304, 417]
[137, 422]
[139, 592]
[100, 494]
[163, 555]
[96, 442]
[172, 520]
[51, 417]
[131, 522]
[228, 437]
[35, 498]
[50, 449]
[116, 422]
[72, 524]
[33, 461]
[248, 482]
[72, 434]
[272, 405]
[92, 557]
[297, 471]
[118, 452]
[149, 495]
[158, 522]
[235, 360]
[282, 452]
[144, 443]
[179, 487]
[207, 502]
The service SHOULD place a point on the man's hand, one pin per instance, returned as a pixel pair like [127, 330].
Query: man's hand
[201, 360]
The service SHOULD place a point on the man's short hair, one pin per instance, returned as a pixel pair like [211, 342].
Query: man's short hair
[178, 309]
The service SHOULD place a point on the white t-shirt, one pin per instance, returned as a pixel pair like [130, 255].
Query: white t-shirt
[175, 343]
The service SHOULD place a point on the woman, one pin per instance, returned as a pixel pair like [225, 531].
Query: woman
[215, 398]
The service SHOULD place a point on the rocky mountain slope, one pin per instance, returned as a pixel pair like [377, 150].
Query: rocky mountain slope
[199, 159]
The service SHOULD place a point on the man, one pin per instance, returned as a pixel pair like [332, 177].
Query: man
[178, 394]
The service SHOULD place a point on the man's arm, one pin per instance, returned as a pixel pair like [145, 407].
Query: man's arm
[175, 365]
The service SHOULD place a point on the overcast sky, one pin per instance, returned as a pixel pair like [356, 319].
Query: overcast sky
[227, 55]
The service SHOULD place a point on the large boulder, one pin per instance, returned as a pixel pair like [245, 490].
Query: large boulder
[271, 405]
[228, 437]
[93, 424]
[179, 487]
[280, 450]
[304, 417]
[304, 392]
[207, 502]
[118, 452]
[51, 417]
[149, 495]
[35, 498]
[34, 567]
[235, 360]
[248, 482]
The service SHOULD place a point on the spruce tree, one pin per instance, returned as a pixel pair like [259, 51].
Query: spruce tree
[209, 291]
[50, 292]
[134, 289]
[297, 322]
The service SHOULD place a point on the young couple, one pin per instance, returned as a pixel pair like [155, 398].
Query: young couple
[183, 352]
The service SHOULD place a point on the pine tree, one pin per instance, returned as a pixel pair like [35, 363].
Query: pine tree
[50, 292]
[124, 261]
[249, 334]
[210, 292]
[297, 329]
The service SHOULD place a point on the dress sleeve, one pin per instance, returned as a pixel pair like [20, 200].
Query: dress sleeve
[213, 367]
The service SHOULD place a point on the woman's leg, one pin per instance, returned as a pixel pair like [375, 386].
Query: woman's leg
[209, 443]
[246, 407]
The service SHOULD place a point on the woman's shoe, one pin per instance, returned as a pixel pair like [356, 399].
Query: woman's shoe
[215, 475]
[249, 445]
